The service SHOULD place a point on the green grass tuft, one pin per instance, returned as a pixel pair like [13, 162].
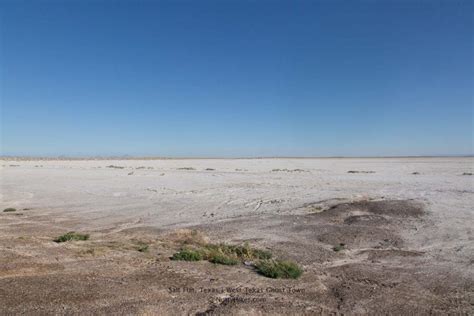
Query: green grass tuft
[279, 269]
[72, 236]
[220, 258]
[10, 209]
[243, 252]
[339, 247]
[222, 254]
[235, 254]
[143, 248]
[262, 254]
[187, 255]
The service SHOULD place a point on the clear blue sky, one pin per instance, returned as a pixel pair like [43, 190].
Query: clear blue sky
[236, 78]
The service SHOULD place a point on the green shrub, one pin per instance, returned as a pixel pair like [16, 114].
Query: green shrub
[10, 209]
[339, 247]
[187, 255]
[243, 252]
[262, 254]
[220, 258]
[72, 236]
[279, 269]
[143, 248]
[234, 254]
[246, 252]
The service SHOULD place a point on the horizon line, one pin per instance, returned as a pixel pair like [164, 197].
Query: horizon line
[130, 157]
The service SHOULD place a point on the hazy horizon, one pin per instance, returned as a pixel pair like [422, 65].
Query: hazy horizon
[131, 157]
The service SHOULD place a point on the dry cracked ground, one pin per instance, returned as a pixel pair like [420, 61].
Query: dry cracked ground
[369, 255]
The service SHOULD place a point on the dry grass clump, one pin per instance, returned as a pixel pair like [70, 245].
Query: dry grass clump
[188, 236]
[10, 209]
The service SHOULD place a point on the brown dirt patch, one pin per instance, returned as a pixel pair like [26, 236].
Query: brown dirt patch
[376, 273]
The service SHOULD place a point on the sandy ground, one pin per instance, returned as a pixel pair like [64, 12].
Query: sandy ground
[409, 240]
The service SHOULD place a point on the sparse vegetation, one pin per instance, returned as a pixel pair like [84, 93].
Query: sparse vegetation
[187, 255]
[278, 269]
[90, 251]
[316, 209]
[186, 168]
[467, 174]
[242, 252]
[115, 167]
[197, 248]
[10, 209]
[220, 258]
[143, 248]
[416, 172]
[222, 254]
[356, 171]
[288, 170]
[210, 169]
[188, 237]
[339, 247]
[71, 236]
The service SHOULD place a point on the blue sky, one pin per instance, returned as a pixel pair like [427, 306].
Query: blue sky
[236, 78]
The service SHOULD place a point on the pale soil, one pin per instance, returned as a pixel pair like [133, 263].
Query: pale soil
[409, 237]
